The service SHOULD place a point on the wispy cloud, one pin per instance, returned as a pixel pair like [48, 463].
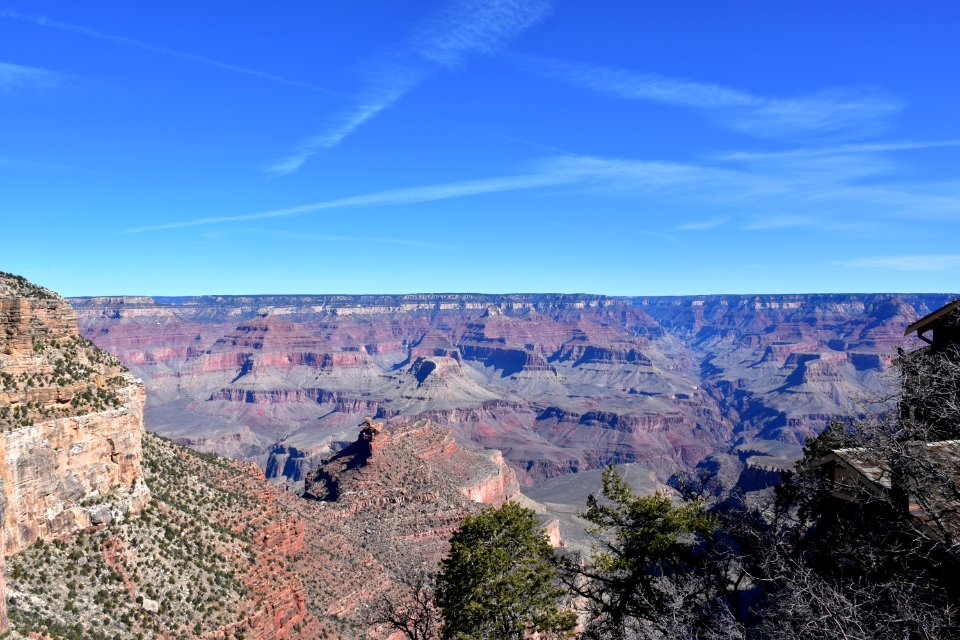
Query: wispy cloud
[778, 221]
[837, 112]
[343, 124]
[412, 195]
[840, 199]
[838, 150]
[932, 262]
[467, 28]
[750, 194]
[18, 76]
[43, 21]
[463, 30]
[703, 225]
[447, 41]
[586, 172]
[309, 236]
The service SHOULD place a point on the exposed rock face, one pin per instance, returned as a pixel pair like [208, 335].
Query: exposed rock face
[278, 608]
[267, 563]
[398, 492]
[210, 557]
[497, 488]
[71, 419]
[4, 622]
[558, 383]
[413, 463]
[49, 469]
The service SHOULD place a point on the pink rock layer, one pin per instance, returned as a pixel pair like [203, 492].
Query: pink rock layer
[558, 383]
[48, 469]
[71, 421]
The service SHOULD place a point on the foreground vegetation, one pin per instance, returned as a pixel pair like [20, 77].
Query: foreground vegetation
[70, 376]
[173, 568]
[811, 559]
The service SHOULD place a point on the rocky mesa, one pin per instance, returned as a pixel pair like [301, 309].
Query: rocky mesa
[418, 462]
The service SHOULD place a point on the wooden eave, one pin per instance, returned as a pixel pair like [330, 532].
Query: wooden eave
[924, 323]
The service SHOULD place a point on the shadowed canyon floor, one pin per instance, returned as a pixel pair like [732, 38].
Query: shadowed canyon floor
[559, 383]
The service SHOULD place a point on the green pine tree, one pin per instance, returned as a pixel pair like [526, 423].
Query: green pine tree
[638, 574]
[499, 580]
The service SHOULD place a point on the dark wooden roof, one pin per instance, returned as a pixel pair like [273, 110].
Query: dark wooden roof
[927, 321]
[941, 459]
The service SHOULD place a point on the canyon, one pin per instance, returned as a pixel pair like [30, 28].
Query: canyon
[219, 552]
[110, 531]
[462, 401]
[558, 383]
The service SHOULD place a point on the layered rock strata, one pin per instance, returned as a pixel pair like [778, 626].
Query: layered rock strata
[418, 462]
[222, 553]
[4, 622]
[71, 420]
[558, 383]
[397, 493]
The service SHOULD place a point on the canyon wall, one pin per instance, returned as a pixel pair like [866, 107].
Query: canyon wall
[61, 474]
[71, 419]
[558, 383]
[4, 622]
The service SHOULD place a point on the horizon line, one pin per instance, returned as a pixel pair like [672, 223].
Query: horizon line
[515, 293]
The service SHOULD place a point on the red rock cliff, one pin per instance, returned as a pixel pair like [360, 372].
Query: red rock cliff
[71, 419]
[414, 462]
[4, 623]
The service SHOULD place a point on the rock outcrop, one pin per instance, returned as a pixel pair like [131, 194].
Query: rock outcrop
[209, 557]
[220, 552]
[418, 462]
[398, 492]
[71, 419]
[4, 622]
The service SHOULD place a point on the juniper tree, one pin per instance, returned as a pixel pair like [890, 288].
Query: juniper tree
[409, 607]
[499, 581]
[641, 579]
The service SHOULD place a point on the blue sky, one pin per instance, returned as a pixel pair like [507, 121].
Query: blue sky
[511, 145]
